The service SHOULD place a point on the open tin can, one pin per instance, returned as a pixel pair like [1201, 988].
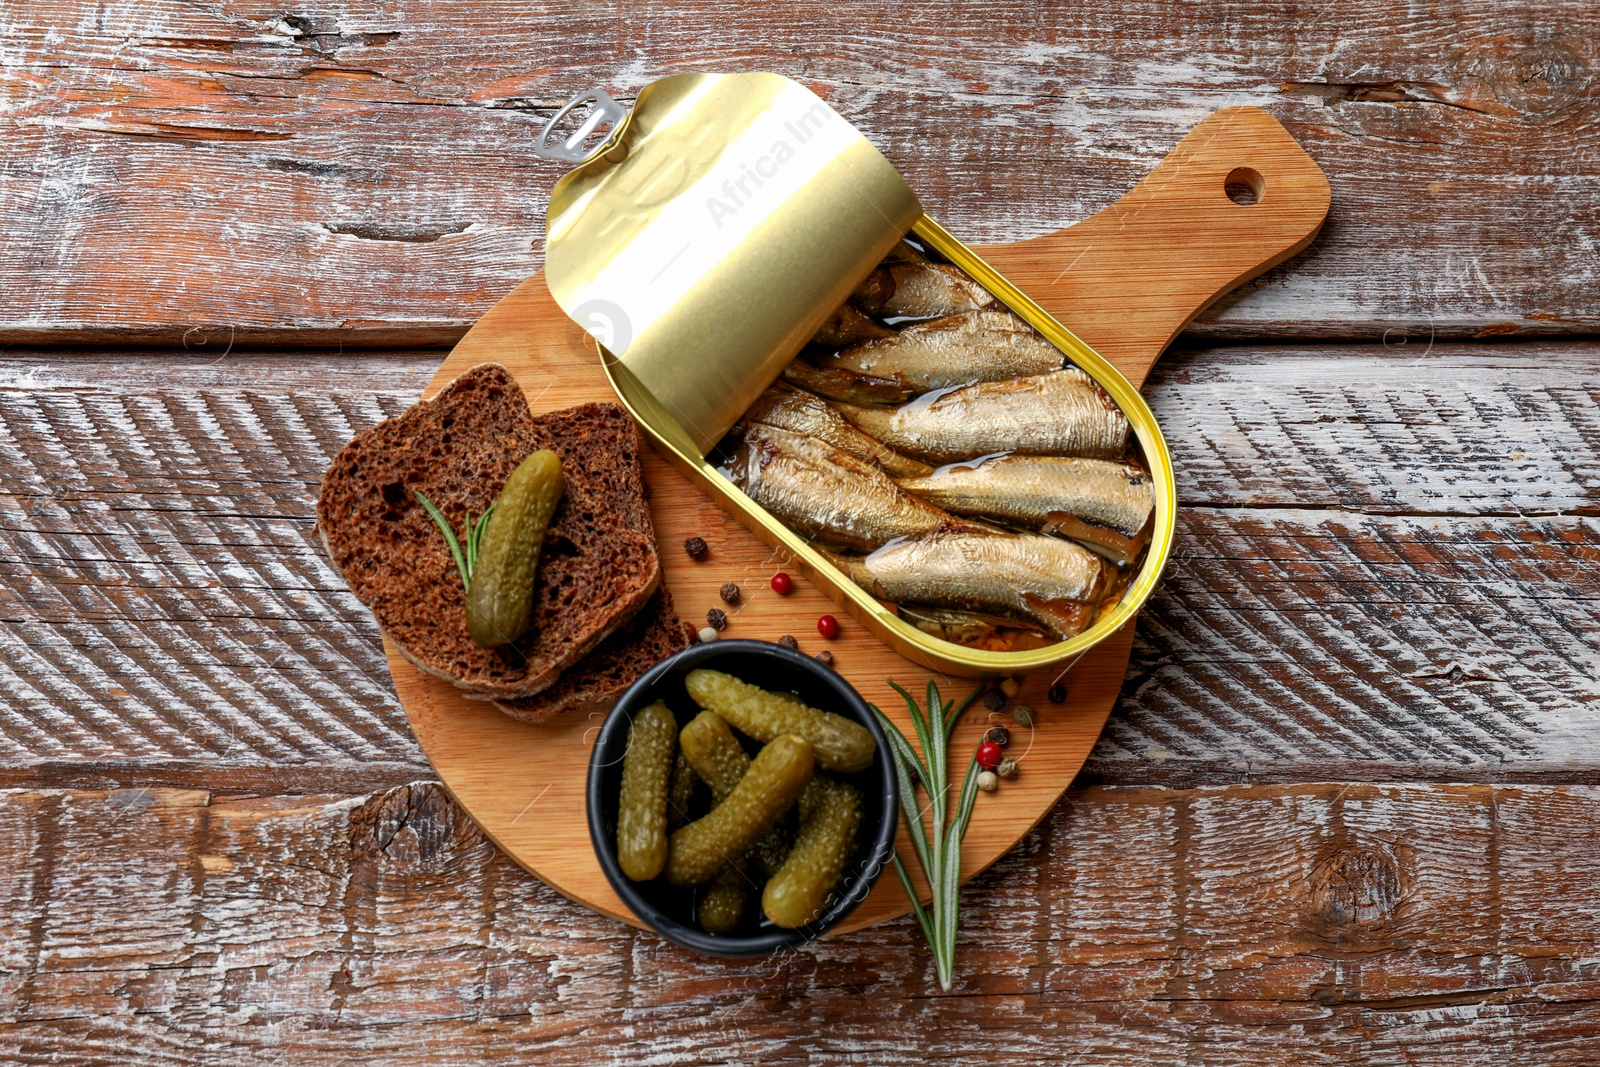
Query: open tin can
[705, 239]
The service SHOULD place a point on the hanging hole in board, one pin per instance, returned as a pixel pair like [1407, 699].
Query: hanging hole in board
[1244, 185]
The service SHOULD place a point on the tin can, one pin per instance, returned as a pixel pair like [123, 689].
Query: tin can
[706, 238]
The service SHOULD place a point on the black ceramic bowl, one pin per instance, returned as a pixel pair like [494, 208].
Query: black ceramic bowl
[670, 911]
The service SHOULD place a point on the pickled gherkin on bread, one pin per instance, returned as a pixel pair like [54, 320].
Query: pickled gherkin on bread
[598, 564]
[500, 599]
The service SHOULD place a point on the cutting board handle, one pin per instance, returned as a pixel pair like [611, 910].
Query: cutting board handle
[1127, 279]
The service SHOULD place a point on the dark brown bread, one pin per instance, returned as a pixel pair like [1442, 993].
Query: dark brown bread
[651, 636]
[598, 565]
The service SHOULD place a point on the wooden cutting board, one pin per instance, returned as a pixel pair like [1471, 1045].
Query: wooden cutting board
[1125, 280]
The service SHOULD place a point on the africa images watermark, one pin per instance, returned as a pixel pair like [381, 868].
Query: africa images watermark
[606, 320]
[736, 192]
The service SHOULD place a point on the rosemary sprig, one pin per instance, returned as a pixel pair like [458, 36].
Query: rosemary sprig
[466, 561]
[938, 846]
[475, 539]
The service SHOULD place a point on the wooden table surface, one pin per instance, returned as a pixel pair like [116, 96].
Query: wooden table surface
[1347, 811]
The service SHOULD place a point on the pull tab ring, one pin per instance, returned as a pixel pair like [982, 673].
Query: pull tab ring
[571, 150]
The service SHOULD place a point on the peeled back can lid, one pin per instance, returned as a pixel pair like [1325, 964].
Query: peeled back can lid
[711, 234]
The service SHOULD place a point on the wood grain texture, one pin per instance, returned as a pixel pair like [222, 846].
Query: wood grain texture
[156, 510]
[1380, 618]
[364, 172]
[1269, 925]
[1132, 275]
[1390, 572]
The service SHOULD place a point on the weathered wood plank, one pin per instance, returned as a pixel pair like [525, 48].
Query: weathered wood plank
[1403, 428]
[1265, 925]
[1283, 640]
[356, 172]
[168, 618]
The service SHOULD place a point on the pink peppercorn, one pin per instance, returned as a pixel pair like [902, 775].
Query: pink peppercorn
[828, 627]
[782, 584]
[990, 755]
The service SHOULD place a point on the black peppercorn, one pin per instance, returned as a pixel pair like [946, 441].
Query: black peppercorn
[999, 735]
[825, 657]
[717, 619]
[788, 641]
[696, 547]
[1058, 694]
[994, 700]
[729, 593]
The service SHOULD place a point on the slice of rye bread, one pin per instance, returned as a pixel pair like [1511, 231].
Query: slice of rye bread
[597, 567]
[651, 636]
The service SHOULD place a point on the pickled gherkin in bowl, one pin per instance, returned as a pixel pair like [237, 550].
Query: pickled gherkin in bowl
[771, 813]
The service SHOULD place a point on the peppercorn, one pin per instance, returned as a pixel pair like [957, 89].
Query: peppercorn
[717, 619]
[828, 627]
[1058, 694]
[1022, 715]
[788, 641]
[825, 657]
[1009, 687]
[987, 781]
[696, 547]
[989, 755]
[782, 584]
[707, 635]
[999, 735]
[994, 700]
[729, 593]
[1007, 768]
